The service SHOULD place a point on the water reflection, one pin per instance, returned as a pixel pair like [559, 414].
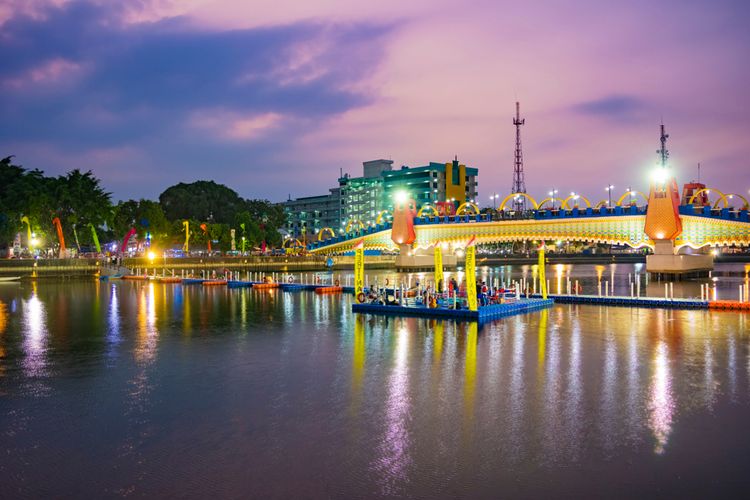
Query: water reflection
[265, 376]
[393, 455]
[35, 338]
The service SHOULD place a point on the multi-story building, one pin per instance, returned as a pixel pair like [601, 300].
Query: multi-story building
[308, 215]
[435, 182]
[361, 199]
[362, 196]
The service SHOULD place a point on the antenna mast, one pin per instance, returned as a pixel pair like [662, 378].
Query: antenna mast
[663, 151]
[519, 183]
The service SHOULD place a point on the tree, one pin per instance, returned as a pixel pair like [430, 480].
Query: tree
[79, 200]
[144, 216]
[202, 201]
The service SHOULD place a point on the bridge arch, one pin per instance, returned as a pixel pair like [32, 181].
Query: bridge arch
[462, 208]
[631, 193]
[549, 200]
[726, 197]
[292, 243]
[379, 218]
[352, 222]
[707, 191]
[575, 197]
[432, 209]
[325, 230]
[534, 204]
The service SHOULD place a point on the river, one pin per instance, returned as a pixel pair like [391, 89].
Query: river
[140, 389]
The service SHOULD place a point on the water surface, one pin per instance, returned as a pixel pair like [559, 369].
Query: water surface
[139, 389]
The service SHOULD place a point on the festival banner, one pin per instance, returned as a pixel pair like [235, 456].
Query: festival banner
[471, 279]
[439, 283]
[542, 278]
[359, 269]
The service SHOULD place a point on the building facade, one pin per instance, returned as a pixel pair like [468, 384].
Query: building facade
[432, 183]
[361, 199]
[306, 216]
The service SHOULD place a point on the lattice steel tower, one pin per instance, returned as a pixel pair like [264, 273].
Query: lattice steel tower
[519, 183]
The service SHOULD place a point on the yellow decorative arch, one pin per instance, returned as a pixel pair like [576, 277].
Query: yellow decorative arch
[602, 203]
[379, 218]
[549, 200]
[353, 221]
[630, 193]
[326, 230]
[707, 191]
[725, 198]
[291, 243]
[514, 195]
[434, 211]
[463, 207]
[573, 197]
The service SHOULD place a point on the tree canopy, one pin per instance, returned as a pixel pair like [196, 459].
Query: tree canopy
[78, 199]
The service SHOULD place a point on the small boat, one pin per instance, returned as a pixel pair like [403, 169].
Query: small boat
[135, 277]
[9, 279]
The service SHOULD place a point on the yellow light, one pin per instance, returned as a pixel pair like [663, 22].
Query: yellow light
[151, 255]
[714, 252]
[34, 242]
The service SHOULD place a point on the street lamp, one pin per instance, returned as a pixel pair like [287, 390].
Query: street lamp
[609, 189]
[494, 197]
[553, 194]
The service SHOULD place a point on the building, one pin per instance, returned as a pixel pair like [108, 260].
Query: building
[308, 215]
[432, 183]
[362, 199]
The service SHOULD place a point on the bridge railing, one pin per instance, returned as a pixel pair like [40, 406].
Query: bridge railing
[715, 213]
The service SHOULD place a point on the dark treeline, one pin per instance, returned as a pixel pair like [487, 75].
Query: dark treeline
[80, 202]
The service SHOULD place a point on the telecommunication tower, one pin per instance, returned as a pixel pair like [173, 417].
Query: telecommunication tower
[663, 151]
[519, 184]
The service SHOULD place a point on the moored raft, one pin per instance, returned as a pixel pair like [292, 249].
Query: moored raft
[484, 313]
[729, 305]
[263, 286]
[657, 302]
[329, 289]
[135, 277]
[214, 282]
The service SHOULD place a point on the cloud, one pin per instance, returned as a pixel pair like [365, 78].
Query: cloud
[619, 108]
[84, 75]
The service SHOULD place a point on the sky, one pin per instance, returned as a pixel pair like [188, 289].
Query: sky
[274, 98]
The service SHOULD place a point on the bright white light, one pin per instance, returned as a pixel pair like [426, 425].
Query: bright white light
[401, 197]
[151, 255]
[714, 252]
[660, 175]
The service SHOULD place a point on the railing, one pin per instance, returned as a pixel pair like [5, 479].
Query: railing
[715, 213]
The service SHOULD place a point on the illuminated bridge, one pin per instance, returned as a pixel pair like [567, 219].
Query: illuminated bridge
[661, 224]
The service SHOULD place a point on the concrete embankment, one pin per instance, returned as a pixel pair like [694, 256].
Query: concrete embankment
[65, 268]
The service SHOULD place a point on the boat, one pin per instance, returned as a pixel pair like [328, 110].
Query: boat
[9, 279]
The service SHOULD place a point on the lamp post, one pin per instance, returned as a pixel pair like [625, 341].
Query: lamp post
[609, 189]
[494, 197]
[552, 195]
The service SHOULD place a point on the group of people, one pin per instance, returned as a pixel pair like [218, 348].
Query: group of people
[428, 296]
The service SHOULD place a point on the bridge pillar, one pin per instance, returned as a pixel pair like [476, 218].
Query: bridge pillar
[668, 263]
[663, 226]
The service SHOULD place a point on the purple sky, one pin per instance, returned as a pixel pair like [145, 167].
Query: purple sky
[273, 98]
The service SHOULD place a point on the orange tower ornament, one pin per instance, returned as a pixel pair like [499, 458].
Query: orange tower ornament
[663, 217]
[404, 211]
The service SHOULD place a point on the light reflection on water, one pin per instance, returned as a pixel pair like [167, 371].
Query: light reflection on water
[282, 392]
